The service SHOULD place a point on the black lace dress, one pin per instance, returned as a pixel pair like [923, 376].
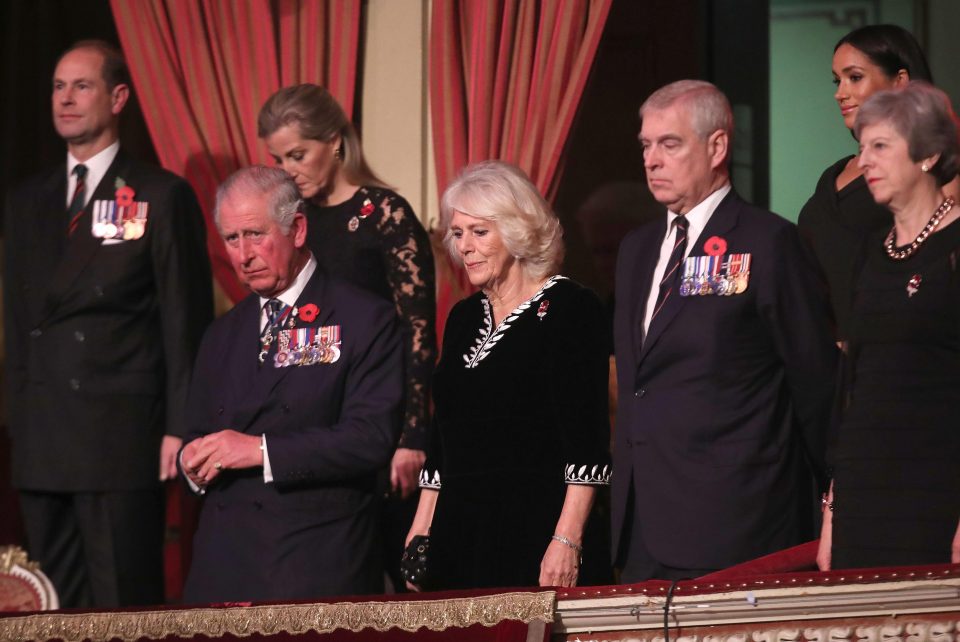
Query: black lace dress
[375, 241]
[897, 456]
[521, 411]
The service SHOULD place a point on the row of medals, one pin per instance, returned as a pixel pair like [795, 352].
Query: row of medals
[720, 275]
[307, 346]
[112, 221]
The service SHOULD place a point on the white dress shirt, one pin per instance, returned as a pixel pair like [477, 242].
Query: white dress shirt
[697, 219]
[97, 166]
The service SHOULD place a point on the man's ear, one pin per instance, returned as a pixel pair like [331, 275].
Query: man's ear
[118, 98]
[718, 144]
[298, 230]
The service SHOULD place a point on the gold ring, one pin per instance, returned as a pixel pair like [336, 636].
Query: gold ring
[218, 465]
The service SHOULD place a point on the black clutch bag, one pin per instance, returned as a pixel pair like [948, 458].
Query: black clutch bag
[413, 564]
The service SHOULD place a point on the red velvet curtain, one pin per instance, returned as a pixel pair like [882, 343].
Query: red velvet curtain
[506, 78]
[203, 68]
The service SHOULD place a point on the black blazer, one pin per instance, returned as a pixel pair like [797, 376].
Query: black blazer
[329, 429]
[100, 338]
[725, 399]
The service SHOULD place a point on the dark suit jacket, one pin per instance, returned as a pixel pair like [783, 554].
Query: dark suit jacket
[100, 339]
[724, 400]
[329, 429]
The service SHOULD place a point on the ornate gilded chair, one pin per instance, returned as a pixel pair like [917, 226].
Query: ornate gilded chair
[23, 586]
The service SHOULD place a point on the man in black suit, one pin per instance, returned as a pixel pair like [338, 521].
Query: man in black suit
[286, 441]
[725, 360]
[106, 296]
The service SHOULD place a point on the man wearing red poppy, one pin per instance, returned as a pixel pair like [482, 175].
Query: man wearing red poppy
[285, 441]
[725, 360]
[103, 316]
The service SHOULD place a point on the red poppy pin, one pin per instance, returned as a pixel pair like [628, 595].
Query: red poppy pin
[367, 208]
[308, 313]
[715, 246]
[124, 196]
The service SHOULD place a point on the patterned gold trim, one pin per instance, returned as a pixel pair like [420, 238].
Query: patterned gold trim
[436, 615]
[11, 556]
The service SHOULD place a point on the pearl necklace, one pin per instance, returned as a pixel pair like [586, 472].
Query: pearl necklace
[910, 250]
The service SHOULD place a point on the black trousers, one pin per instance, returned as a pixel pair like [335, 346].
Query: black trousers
[100, 549]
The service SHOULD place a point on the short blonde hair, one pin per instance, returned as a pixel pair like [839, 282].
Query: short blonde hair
[501, 193]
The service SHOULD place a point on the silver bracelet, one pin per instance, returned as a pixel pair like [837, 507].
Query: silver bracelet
[566, 542]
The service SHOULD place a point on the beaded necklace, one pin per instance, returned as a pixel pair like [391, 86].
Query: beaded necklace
[911, 249]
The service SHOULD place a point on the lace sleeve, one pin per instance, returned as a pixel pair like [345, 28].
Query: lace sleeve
[410, 270]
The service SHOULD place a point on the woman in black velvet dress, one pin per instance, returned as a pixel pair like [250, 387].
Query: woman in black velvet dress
[895, 497]
[520, 397]
[841, 214]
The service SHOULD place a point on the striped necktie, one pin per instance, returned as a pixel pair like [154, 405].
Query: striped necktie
[75, 210]
[670, 282]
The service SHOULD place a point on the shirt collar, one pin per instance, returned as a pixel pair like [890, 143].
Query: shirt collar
[703, 210]
[700, 214]
[292, 293]
[97, 166]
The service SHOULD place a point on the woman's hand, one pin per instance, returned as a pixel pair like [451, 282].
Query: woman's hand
[955, 548]
[405, 471]
[422, 521]
[825, 548]
[560, 565]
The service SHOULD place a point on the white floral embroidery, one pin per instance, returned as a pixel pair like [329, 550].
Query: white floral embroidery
[487, 339]
[427, 482]
[595, 475]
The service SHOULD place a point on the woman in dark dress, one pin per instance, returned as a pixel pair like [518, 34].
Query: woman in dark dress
[520, 397]
[363, 232]
[895, 498]
[841, 214]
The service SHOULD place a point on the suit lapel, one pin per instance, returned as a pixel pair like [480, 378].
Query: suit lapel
[644, 265]
[82, 246]
[267, 377]
[724, 218]
[48, 224]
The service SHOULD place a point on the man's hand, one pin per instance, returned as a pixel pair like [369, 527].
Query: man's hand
[169, 448]
[405, 470]
[205, 458]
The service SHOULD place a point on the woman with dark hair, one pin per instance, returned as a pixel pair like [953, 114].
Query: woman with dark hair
[895, 497]
[841, 213]
[365, 233]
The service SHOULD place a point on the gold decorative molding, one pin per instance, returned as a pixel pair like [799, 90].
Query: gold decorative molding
[769, 601]
[244, 621]
[906, 631]
[11, 556]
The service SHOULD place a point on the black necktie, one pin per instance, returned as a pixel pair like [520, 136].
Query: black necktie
[671, 277]
[79, 197]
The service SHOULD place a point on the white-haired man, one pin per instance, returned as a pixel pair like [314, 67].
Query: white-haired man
[293, 410]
